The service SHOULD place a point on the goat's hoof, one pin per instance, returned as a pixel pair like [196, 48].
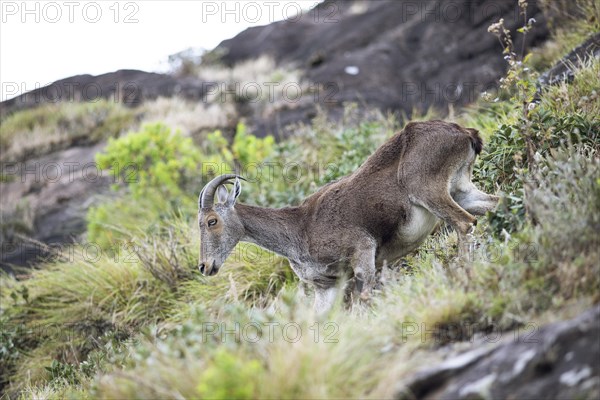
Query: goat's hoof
[471, 230]
[365, 296]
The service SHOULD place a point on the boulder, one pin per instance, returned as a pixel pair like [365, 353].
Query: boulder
[557, 361]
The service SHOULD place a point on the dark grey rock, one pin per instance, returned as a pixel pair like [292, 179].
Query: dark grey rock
[558, 361]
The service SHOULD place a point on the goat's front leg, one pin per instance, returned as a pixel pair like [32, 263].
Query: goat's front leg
[475, 201]
[363, 265]
[324, 299]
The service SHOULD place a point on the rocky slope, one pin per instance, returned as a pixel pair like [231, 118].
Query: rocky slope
[51, 203]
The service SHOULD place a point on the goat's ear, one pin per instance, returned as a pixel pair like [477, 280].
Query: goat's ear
[235, 192]
[222, 194]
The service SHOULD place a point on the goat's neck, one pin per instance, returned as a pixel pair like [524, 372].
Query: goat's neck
[275, 229]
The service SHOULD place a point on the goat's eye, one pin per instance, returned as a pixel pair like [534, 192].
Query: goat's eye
[212, 222]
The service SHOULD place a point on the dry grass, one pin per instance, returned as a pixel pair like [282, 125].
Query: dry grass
[190, 118]
[259, 82]
[56, 126]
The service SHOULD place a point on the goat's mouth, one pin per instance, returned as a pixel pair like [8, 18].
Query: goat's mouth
[209, 269]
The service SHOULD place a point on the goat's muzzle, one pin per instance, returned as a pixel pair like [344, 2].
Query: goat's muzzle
[208, 270]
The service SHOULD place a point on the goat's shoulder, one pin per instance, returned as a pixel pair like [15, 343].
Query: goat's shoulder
[326, 190]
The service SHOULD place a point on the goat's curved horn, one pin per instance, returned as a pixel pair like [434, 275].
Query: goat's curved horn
[207, 195]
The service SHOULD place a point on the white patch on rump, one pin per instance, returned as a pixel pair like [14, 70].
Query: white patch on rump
[420, 224]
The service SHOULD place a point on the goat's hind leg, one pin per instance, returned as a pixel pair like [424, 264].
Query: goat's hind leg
[443, 206]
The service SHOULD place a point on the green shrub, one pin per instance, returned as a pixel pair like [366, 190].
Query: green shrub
[506, 166]
[566, 116]
[244, 151]
[152, 160]
[565, 208]
[62, 372]
[161, 171]
[247, 148]
[229, 377]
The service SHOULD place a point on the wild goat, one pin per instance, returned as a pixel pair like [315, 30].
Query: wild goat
[379, 213]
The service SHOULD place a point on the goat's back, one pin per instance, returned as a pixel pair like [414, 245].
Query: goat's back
[376, 198]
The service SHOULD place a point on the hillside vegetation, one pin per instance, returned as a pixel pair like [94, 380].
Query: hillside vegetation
[127, 314]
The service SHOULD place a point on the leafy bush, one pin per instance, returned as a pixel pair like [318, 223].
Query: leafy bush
[229, 377]
[246, 148]
[152, 160]
[160, 169]
[12, 337]
[507, 167]
[566, 116]
[242, 153]
[63, 372]
[565, 207]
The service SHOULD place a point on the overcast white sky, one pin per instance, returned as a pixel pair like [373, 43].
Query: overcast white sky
[43, 41]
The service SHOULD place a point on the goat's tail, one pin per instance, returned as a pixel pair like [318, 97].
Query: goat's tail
[476, 140]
